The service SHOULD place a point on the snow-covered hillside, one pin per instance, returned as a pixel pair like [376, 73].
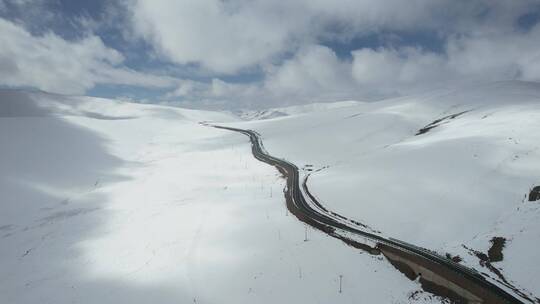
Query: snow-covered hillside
[448, 170]
[295, 110]
[112, 202]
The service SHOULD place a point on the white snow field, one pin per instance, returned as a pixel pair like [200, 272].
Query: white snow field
[459, 184]
[294, 110]
[112, 202]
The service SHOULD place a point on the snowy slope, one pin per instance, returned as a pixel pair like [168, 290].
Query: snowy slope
[295, 110]
[461, 182]
[111, 202]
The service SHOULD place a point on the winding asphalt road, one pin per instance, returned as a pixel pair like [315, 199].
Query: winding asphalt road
[315, 215]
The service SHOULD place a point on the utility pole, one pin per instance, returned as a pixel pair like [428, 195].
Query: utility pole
[340, 280]
[305, 234]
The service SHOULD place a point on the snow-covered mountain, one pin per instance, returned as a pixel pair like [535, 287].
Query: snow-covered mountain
[295, 110]
[107, 201]
[447, 170]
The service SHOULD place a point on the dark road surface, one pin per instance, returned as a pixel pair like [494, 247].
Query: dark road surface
[460, 283]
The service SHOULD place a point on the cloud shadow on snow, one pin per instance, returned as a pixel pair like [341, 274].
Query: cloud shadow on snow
[51, 170]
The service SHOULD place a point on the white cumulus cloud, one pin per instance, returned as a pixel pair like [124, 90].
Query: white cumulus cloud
[474, 58]
[50, 63]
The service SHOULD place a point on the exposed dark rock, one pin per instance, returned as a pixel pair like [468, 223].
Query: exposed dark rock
[534, 195]
[455, 259]
[495, 252]
[438, 122]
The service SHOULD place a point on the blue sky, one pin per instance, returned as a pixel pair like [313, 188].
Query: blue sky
[262, 53]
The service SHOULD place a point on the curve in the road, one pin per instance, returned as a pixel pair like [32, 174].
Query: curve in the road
[452, 280]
